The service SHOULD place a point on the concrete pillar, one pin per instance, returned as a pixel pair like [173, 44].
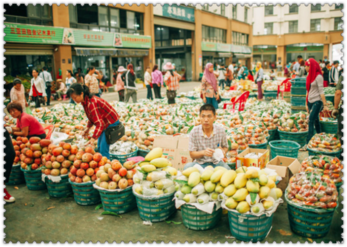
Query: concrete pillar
[281, 53]
[148, 19]
[63, 55]
[197, 44]
[194, 62]
[326, 51]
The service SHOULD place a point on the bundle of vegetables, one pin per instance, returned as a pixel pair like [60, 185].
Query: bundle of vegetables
[332, 167]
[327, 143]
[312, 188]
[154, 176]
[297, 122]
[329, 90]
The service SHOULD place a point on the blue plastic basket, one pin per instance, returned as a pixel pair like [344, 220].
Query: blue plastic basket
[123, 158]
[119, 202]
[258, 146]
[312, 152]
[142, 153]
[198, 220]
[298, 90]
[16, 176]
[85, 194]
[33, 179]
[299, 137]
[249, 228]
[284, 148]
[298, 100]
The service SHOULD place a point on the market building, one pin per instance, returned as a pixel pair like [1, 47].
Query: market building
[282, 32]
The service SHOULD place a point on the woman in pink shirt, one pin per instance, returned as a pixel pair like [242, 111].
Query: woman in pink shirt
[27, 125]
[120, 83]
[157, 81]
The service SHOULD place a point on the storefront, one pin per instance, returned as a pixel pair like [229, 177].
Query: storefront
[265, 54]
[215, 53]
[305, 50]
[242, 55]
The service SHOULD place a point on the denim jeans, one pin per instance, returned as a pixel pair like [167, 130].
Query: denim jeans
[149, 92]
[222, 82]
[313, 120]
[103, 147]
[221, 163]
[212, 101]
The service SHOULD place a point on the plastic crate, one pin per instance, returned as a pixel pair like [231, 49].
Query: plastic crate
[284, 148]
[198, 220]
[33, 179]
[122, 158]
[258, 146]
[155, 209]
[16, 176]
[298, 100]
[309, 222]
[119, 202]
[85, 194]
[249, 228]
[299, 137]
[298, 91]
[142, 153]
[60, 189]
[272, 135]
[330, 98]
[312, 152]
[270, 95]
[298, 82]
[329, 127]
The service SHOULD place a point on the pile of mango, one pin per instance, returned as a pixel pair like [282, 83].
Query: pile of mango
[155, 175]
[246, 189]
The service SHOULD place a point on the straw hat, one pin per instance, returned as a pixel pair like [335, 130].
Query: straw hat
[59, 80]
[168, 66]
[121, 69]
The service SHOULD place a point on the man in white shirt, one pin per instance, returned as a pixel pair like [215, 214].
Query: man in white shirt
[296, 66]
[221, 76]
[47, 79]
[334, 74]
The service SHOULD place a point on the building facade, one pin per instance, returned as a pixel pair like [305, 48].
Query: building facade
[282, 32]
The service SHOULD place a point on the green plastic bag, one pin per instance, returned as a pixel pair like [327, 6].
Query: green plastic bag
[28, 111]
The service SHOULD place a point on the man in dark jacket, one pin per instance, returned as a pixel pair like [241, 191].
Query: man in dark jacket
[129, 79]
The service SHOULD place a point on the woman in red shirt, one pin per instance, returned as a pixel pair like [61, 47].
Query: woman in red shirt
[27, 125]
[250, 75]
[99, 112]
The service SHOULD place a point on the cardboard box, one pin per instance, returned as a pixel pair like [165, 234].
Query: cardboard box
[260, 162]
[182, 155]
[168, 144]
[286, 168]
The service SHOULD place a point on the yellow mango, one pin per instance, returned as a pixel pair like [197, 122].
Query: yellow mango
[230, 203]
[230, 190]
[219, 188]
[264, 192]
[227, 178]
[171, 170]
[242, 207]
[209, 186]
[189, 171]
[240, 195]
[154, 154]
[240, 180]
[160, 162]
[242, 169]
[194, 179]
[206, 175]
[252, 173]
[270, 183]
[252, 186]
[216, 176]
[148, 168]
[267, 204]
[263, 179]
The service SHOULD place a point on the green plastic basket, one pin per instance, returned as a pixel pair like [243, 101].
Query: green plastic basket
[329, 127]
[155, 209]
[142, 153]
[298, 100]
[338, 186]
[298, 82]
[198, 220]
[249, 228]
[258, 146]
[122, 158]
[119, 202]
[312, 152]
[330, 98]
[226, 99]
[272, 135]
[298, 90]
[299, 137]
[60, 189]
[270, 95]
[85, 194]
[33, 179]
[232, 166]
[284, 148]
[309, 222]
[253, 95]
[16, 176]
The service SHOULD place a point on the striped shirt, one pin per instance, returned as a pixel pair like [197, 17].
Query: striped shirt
[100, 113]
[172, 82]
[198, 141]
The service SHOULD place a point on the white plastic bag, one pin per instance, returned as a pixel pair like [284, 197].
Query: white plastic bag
[163, 184]
[198, 190]
[57, 137]
[170, 189]
[179, 195]
[203, 198]
[158, 175]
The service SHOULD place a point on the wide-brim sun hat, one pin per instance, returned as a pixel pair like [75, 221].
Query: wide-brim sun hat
[168, 66]
[121, 69]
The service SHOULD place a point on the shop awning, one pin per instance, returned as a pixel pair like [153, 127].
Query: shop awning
[224, 54]
[241, 55]
[80, 51]
[132, 52]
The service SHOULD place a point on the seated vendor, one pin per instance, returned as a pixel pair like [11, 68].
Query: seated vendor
[27, 125]
[206, 138]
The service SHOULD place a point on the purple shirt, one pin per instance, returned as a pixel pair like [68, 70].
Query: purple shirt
[157, 77]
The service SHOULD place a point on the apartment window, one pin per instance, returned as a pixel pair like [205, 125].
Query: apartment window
[240, 38]
[114, 18]
[211, 34]
[269, 10]
[268, 28]
[294, 8]
[234, 12]
[246, 14]
[293, 26]
[339, 6]
[338, 23]
[205, 7]
[315, 25]
[32, 14]
[222, 9]
[316, 7]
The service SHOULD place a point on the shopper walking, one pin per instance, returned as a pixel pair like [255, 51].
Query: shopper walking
[325, 71]
[259, 78]
[334, 74]
[129, 79]
[79, 78]
[302, 70]
[157, 81]
[172, 80]
[148, 82]
[120, 83]
[221, 76]
[47, 79]
[17, 93]
[315, 99]
[9, 159]
[62, 90]
[228, 76]
[99, 112]
[37, 90]
[91, 81]
[209, 87]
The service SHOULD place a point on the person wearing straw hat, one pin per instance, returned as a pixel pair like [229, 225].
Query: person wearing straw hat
[172, 79]
[120, 83]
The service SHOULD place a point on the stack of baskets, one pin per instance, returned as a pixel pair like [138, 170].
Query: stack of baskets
[198, 220]
[284, 148]
[16, 176]
[270, 95]
[298, 94]
[122, 158]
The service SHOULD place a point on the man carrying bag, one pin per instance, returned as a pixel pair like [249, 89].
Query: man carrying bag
[47, 79]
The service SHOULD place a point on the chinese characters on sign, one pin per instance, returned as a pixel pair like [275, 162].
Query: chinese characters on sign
[179, 12]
